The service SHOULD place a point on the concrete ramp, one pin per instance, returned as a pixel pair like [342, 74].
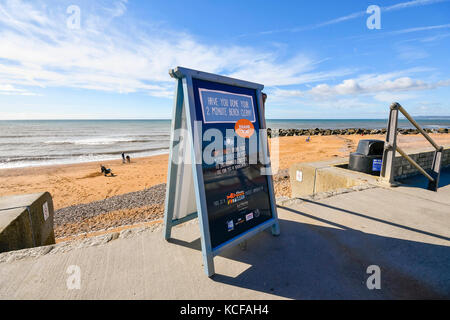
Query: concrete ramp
[323, 252]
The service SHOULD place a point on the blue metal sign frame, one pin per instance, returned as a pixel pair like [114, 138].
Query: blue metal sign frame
[184, 110]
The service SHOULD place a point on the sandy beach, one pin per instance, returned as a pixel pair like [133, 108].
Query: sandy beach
[73, 186]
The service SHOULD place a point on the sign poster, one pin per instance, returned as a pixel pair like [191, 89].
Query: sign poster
[237, 195]
[376, 164]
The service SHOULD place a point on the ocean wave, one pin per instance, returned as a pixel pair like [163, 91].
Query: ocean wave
[130, 151]
[37, 135]
[435, 126]
[38, 162]
[106, 141]
[36, 158]
[24, 136]
[135, 152]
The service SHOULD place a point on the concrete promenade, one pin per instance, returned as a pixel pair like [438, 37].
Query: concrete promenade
[323, 252]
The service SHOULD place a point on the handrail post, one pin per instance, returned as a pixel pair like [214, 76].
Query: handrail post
[436, 170]
[387, 167]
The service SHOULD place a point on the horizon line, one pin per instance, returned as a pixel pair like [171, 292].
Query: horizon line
[169, 119]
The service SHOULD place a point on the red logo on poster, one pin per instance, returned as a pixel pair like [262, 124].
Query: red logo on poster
[244, 128]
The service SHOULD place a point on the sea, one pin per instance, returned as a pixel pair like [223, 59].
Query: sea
[26, 143]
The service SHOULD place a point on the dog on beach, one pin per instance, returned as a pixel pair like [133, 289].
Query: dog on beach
[106, 171]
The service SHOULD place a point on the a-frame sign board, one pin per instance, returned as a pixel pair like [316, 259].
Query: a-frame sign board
[233, 199]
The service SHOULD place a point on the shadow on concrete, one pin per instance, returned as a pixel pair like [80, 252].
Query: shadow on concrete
[309, 261]
[315, 262]
[419, 181]
[195, 245]
[367, 217]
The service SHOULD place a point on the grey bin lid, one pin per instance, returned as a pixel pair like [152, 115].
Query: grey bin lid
[370, 147]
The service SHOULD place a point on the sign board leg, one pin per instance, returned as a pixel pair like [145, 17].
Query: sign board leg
[208, 263]
[172, 166]
[276, 229]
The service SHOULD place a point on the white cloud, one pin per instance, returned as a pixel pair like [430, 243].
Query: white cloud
[120, 57]
[9, 90]
[298, 70]
[372, 85]
[359, 14]
[398, 6]
[365, 94]
[414, 3]
[389, 97]
[119, 8]
[410, 53]
[417, 29]
[436, 37]
[382, 87]
[281, 94]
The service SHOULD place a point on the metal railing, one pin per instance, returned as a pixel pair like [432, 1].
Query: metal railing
[390, 147]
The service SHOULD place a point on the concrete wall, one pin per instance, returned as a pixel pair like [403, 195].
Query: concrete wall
[323, 176]
[403, 169]
[25, 221]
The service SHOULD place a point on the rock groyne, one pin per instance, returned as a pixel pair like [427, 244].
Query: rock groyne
[349, 131]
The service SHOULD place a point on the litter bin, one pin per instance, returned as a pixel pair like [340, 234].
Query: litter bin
[368, 157]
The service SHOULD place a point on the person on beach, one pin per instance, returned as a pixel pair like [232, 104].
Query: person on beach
[128, 159]
[106, 171]
[123, 157]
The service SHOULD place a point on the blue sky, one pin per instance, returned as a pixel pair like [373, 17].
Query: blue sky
[317, 59]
